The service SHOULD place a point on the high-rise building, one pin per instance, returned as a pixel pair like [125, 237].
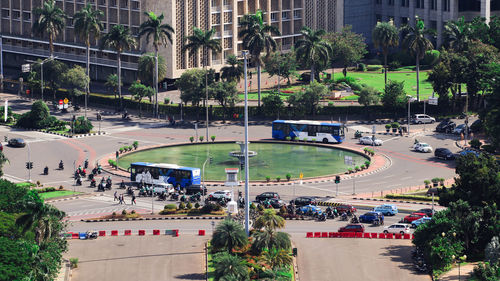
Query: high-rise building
[222, 15]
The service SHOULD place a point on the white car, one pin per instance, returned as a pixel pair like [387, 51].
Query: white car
[163, 188]
[370, 141]
[220, 194]
[422, 118]
[422, 147]
[400, 228]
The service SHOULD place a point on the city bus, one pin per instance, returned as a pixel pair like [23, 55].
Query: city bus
[308, 130]
[160, 173]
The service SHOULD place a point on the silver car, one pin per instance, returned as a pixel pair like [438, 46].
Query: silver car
[370, 141]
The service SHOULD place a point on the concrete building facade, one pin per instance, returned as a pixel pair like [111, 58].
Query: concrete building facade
[222, 15]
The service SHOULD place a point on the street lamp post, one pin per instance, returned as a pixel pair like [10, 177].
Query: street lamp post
[41, 75]
[409, 100]
[1, 63]
[203, 175]
[29, 161]
[247, 166]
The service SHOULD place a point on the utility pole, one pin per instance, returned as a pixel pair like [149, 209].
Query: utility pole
[1, 63]
[247, 166]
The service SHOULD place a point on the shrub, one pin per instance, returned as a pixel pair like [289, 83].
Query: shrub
[367, 163]
[349, 170]
[393, 65]
[170, 206]
[113, 214]
[278, 179]
[135, 144]
[208, 208]
[132, 212]
[330, 104]
[374, 67]
[409, 197]
[191, 139]
[288, 176]
[357, 168]
[395, 125]
[167, 212]
[197, 205]
[252, 206]
[363, 167]
[475, 143]
[189, 206]
[387, 126]
[213, 138]
[182, 206]
[166, 101]
[82, 125]
[194, 212]
[435, 180]
[201, 138]
[427, 182]
[73, 262]
[61, 187]
[260, 208]
[124, 212]
[288, 138]
[488, 148]
[130, 147]
[374, 61]
[361, 67]
[121, 149]
[112, 162]
[268, 178]
[486, 271]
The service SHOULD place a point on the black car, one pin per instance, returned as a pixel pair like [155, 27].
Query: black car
[195, 188]
[303, 201]
[446, 126]
[277, 203]
[428, 212]
[17, 142]
[444, 153]
[266, 195]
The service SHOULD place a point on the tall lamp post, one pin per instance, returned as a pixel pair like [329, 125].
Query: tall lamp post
[41, 71]
[247, 197]
[410, 99]
[1, 63]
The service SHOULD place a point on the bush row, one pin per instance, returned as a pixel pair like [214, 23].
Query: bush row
[46, 189]
[410, 197]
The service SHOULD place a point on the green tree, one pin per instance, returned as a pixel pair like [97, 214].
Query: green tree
[50, 21]
[229, 267]
[368, 95]
[385, 36]
[225, 93]
[416, 43]
[308, 100]
[146, 69]
[270, 220]
[16, 259]
[203, 40]
[394, 96]
[112, 83]
[457, 34]
[281, 65]
[10, 196]
[268, 239]
[228, 236]
[76, 80]
[87, 23]
[3, 160]
[312, 49]
[233, 71]
[348, 47]
[161, 34]
[272, 104]
[119, 39]
[440, 77]
[277, 258]
[257, 37]
[140, 91]
[191, 86]
[53, 73]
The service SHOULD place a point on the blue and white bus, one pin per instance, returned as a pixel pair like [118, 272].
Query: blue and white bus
[308, 130]
[159, 173]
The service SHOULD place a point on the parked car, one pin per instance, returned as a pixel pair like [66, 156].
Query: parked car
[444, 153]
[220, 194]
[416, 223]
[344, 208]
[370, 141]
[303, 201]
[432, 190]
[422, 147]
[422, 118]
[468, 151]
[397, 228]
[277, 203]
[17, 142]
[159, 188]
[387, 209]
[196, 188]
[446, 126]
[476, 126]
[460, 129]
[427, 211]
[370, 217]
[266, 195]
[413, 217]
[353, 227]
[310, 209]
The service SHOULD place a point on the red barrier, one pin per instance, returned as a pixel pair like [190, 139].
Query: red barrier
[413, 236]
[128, 232]
[75, 236]
[359, 235]
[351, 234]
[156, 232]
[324, 234]
[331, 235]
[381, 235]
[374, 235]
[176, 232]
[407, 236]
[309, 235]
[397, 236]
[366, 235]
[114, 232]
[343, 234]
[317, 234]
[389, 236]
[201, 232]
[142, 232]
[102, 233]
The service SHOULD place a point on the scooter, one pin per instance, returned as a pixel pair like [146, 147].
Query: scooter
[322, 217]
[61, 165]
[78, 181]
[122, 185]
[46, 170]
[354, 219]
[174, 196]
[92, 183]
[91, 235]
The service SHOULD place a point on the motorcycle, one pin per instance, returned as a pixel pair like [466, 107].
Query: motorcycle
[86, 164]
[46, 170]
[61, 165]
[195, 198]
[130, 191]
[354, 219]
[174, 196]
[108, 185]
[358, 134]
[91, 235]
[101, 187]
[122, 185]
[343, 217]
[92, 183]
[183, 198]
[162, 196]
[91, 177]
[78, 181]
[322, 217]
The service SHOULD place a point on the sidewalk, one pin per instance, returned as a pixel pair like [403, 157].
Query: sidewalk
[465, 271]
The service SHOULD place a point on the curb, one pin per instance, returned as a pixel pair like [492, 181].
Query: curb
[64, 135]
[155, 218]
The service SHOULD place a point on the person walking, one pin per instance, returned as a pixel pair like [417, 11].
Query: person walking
[133, 200]
[122, 201]
[116, 196]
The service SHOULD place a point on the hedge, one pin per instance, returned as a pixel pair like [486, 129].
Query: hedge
[411, 197]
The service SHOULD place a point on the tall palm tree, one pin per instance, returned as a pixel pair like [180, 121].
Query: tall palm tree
[161, 34]
[51, 21]
[417, 44]
[146, 68]
[257, 38]
[87, 23]
[119, 39]
[312, 48]
[229, 235]
[234, 70]
[112, 83]
[269, 220]
[39, 217]
[457, 34]
[203, 40]
[385, 36]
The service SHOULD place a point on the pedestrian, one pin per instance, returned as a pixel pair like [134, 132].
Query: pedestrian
[133, 200]
[122, 201]
[116, 197]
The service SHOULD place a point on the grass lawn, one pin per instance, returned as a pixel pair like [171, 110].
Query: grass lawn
[376, 80]
[57, 193]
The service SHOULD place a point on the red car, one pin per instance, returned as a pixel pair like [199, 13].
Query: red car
[344, 208]
[353, 227]
[413, 217]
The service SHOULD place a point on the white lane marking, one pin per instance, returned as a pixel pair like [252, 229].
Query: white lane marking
[131, 139]
[390, 139]
[389, 176]
[406, 178]
[13, 178]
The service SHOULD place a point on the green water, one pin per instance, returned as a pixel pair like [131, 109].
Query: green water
[272, 159]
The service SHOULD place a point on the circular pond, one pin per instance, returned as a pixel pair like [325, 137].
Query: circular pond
[272, 159]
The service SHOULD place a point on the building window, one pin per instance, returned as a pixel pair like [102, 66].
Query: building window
[284, 15]
[404, 20]
[434, 5]
[274, 16]
[102, 2]
[446, 5]
[135, 5]
[379, 2]
[296, 14]
[226, 3]
[69, 22]
[112, 3]
[419, 4]
[5, 13]
[214, 3]
[26, 16]
[391, 2]
[405, 3]
[124, 4]
[16, 15]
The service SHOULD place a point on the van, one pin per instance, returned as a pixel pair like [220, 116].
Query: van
[422, 118]
[387, 209]
[159, 188]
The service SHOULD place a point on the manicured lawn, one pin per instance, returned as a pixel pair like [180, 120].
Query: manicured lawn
[58, 193]
[376, 80]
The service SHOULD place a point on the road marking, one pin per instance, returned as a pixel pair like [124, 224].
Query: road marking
[13, 178]
[130, 139]
[406, 178]
[391, 139]
[389, 176]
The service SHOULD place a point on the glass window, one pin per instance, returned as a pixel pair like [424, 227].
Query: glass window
[311, 130]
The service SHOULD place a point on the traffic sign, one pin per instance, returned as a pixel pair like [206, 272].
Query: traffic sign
[301, 176]
[60, 106]
[66, 100]
[433, 101]
[26, 67]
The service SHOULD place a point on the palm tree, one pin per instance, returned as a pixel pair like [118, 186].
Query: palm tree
[228, 267]
[276, 258]
[39, 217]
[257, 37]
[119, 39]
[312, 48]
[233, 71]
[51, 21]
[146, 68]
[457, 34]
[3, 160]
[385, 35]
[161, 33]
[268, 239]
[417, 44]
[269, 220]
[229, 235]
[87, 23]
[112, 83]
[203, 40]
